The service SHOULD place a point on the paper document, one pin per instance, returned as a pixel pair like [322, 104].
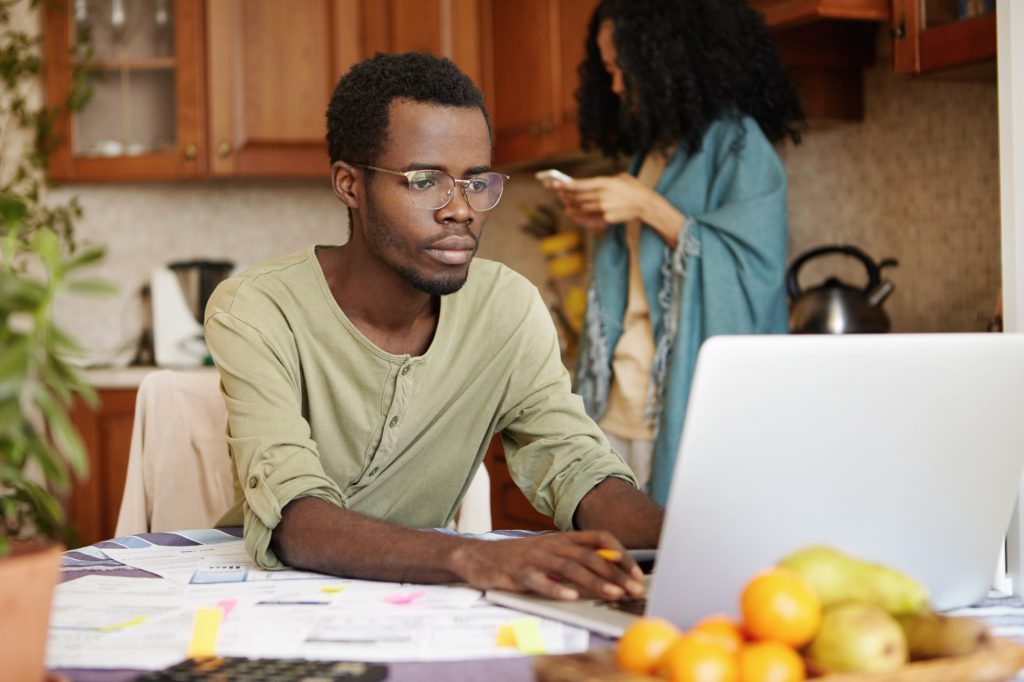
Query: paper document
[143, 623]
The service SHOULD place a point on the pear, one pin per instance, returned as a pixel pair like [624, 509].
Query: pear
[933, 635]
[858, 637]
[838, 577]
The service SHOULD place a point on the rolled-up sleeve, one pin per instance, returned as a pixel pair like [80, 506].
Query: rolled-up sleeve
[275, 459]
[556, 454]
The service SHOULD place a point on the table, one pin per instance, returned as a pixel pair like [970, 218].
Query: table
[84, 561]
[1004, 613]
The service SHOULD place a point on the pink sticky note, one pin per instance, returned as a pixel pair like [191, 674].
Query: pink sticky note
[227, 606]
[403, 598]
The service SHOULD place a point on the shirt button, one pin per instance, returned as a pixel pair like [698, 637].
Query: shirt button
[374, 470]
[393, 422]
[405, 370]
[253, 482]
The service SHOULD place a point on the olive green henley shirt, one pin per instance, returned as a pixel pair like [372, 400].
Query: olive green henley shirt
[316, 409]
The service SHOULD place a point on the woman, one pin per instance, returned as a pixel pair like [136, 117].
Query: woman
[692, 241]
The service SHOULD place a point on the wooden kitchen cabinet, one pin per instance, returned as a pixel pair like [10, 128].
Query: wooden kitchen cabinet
[509, 507]
[825, 46]
[534, 50]
[929, 36]
[94, 503]
[272, 67]
[145, 118]
[269, 89]
[244, 90]
[449, 28]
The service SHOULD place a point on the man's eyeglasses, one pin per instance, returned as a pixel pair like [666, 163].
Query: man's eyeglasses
[433, 189]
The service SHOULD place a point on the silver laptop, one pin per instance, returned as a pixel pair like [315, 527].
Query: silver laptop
[906, 449]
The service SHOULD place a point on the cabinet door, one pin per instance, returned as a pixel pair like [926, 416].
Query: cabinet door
[272, 68]
[106, 431]
[939, 34]
[447, 28]
[145, 119]
[536, 47]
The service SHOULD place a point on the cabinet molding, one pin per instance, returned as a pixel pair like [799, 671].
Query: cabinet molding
[779, 14]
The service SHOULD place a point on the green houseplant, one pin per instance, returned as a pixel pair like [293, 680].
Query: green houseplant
[40, 450]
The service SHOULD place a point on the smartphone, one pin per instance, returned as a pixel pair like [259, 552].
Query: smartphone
[552, 175]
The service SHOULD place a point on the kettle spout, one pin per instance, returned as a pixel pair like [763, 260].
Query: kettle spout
[880, 293]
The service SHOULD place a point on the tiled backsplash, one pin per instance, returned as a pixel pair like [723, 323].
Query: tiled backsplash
[917, 180]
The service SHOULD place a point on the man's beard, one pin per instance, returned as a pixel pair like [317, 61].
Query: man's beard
[385, 241]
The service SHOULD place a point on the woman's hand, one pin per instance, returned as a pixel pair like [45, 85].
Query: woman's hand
[595, 203]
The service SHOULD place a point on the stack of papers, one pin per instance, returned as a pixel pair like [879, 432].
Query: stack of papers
[211, 598]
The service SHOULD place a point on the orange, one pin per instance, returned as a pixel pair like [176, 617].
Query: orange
[698, 657]
[643, 643]
[771, 662]
[722, 628]
[781, 605]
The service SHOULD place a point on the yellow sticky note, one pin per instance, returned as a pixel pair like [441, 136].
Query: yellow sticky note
[506, 636]
[205, 629]
[126, 624]
[333, 590]
[528, 638]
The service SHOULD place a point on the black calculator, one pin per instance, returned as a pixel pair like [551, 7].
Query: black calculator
[229, 669]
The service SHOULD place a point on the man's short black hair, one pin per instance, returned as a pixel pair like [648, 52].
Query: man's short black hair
[357, 116]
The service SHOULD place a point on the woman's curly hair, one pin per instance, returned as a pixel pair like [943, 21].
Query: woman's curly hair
[686, 63]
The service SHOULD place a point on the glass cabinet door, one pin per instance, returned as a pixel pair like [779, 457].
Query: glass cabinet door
[142, 58]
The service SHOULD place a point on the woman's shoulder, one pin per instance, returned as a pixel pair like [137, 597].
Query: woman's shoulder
[735, 128]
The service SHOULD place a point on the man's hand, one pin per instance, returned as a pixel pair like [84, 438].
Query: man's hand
[557, 565]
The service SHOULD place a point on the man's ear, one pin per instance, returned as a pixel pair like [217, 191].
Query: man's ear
[345, 181]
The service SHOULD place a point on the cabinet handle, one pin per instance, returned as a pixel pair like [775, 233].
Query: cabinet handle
[547, 127]
[900, 32]
[535, 129]
[191, 151]
[224, 149]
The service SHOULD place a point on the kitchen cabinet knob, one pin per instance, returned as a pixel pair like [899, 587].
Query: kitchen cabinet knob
[535, 129]
[191, 151]
[547, 127]
[224, 149]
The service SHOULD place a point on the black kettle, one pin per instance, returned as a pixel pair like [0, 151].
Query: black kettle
[835, 307]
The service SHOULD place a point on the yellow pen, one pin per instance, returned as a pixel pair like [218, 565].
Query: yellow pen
[612, 555]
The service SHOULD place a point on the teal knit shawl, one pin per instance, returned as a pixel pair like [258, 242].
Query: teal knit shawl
[725, 277]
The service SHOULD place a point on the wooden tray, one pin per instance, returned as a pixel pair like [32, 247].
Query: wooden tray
[995, 662]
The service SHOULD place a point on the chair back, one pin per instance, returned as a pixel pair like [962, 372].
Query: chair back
[179, 471]
[180, 475]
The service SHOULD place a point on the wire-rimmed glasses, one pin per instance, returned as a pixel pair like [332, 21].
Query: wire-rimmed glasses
[433, 189]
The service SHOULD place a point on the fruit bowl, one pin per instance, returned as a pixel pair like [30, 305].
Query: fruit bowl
[998, 660]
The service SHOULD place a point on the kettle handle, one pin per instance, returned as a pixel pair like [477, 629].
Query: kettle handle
[874, 273]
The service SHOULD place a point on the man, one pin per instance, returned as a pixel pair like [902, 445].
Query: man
[363, 382]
